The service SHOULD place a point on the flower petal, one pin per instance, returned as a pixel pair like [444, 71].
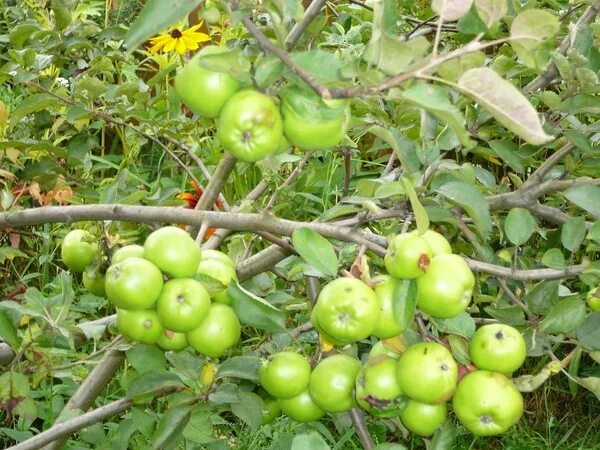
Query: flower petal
[161, 38]
[194, 28]
[180, 46]
[198, 37]
[190, 44]
[170, 46]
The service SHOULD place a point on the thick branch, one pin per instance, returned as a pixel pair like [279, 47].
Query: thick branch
[545, 78]
[525, 275]
[77, 423]
[89, 390]
[217, 238]
[537, 176]
[159, 214]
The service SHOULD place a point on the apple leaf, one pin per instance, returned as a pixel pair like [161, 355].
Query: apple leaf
[420, 214]
[529, 30]
[564, 317]
[311, 441]
[586, 196]
[244, 367]
[588, 332]
[519, 225]
[472, 201]
[451, 9]
[573, 233]
[434, 100]
[316, 250]
[491, 11]
[170, 427]
[505, 102]
[254, 311]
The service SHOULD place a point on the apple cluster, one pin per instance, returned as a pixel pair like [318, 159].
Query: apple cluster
[250, 124]
[158, 289]
[413, 383]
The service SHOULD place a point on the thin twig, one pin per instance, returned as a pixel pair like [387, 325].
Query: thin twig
[300, 27]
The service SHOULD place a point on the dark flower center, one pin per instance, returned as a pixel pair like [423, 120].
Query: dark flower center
[175, 34]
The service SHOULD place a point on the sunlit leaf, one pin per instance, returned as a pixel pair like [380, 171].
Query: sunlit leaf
[505, 102]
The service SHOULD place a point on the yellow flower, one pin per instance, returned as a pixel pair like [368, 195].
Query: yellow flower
[178, 40]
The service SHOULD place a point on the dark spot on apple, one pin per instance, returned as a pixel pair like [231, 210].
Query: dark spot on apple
[348, 289]
[246, 137]
[486, 420]
[444, 366]
[375, 402]
[425, 351]
[423, 262]
[343, 317]
[499, 335]
[180, 298]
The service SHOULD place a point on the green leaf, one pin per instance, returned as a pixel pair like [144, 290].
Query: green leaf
[435, 100]
[586, 196]
[529, 30]
[244, 367]
[146, 358]
[19, 34]
[505, 102]
[316, 250]
[519, 225]
[444, 437]
[267, 70]
[170, 427]
[254, 311]
[461, 325]
[452, 69]
[469, 198]
[312, 441]
[573, 233]
[460, 348]
[452, 9]
[31, 104]
[594, 232]
[386, 50]
[8, 332]
[506, 151]
[199, 428]
[155, 17]
[404, 148]
[564, 317]
[420, 214]
[588, 332]
[405, 302]
[491, 11]
[591, 384]
[542, 297]
[512, 315]
[150, 382]
[322, 65]
[249, 409]
[554, 258]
